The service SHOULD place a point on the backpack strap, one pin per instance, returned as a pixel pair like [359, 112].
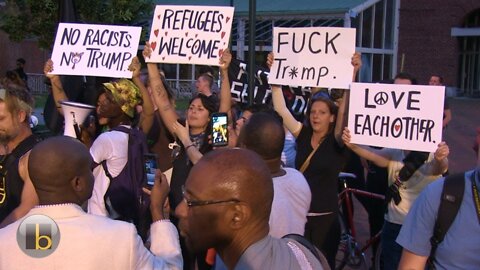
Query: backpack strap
[452, 196]
[104, 162]
[310, 247]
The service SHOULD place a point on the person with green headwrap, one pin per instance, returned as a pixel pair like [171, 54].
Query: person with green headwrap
[116, 107]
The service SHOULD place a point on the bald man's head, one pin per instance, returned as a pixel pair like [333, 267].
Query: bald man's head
[242, 174]
[228, 198]
[60, 169]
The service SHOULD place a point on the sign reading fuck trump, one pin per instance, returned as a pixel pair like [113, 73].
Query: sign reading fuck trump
[396, 116]
[313, 56]
[190, 34]
[95, 50]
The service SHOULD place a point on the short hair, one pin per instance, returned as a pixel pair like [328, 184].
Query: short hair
[406, 76]
[208, 77]
[21, 60]
[17, 98]
[263, 133]
[440, 78]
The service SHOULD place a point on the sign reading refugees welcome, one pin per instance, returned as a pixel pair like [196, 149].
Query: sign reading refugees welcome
[190, 34]
[396, 116]
[313, 56]
[95, 50]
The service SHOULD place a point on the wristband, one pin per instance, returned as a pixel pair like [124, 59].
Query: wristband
[186, 148]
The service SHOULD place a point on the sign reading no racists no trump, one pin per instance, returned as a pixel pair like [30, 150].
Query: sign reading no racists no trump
[95, 50]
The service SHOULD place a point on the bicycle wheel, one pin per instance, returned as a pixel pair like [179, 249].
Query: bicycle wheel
[348, 253]
[378, 261]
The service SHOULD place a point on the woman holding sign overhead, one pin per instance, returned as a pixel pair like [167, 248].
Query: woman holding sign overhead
[321, 156]
[192, 138]
[408, 173]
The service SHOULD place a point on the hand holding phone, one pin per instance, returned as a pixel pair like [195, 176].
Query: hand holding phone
[150, 165]
[219, 129]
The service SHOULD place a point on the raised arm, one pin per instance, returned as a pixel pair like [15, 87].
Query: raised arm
[342, 117]
[368, 154]
[57, 87]
[225, 96]
[280, 107]
[160, 96]
[182, 132]
[147, 115]
[440, 159]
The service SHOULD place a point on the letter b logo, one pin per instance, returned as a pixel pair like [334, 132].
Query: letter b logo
[38, 236]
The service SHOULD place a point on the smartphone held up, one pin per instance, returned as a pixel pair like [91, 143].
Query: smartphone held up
[150, 166]
[219, 129]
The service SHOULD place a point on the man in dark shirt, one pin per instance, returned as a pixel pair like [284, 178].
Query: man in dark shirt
[16, 139]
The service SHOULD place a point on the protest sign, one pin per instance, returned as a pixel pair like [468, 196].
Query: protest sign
[396, 116]
[313, 56]
[190, 34]
[296, 98]
[95, 50]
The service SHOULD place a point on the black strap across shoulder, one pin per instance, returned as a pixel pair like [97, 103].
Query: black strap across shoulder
[452, 196]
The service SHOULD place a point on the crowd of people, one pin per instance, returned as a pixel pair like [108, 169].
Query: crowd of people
[267, 200]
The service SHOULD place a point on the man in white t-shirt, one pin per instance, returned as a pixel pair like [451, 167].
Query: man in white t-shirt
[263, 133]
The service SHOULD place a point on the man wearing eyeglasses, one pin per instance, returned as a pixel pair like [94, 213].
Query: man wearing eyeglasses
[16, 139]
[82, 240]
[227, 202]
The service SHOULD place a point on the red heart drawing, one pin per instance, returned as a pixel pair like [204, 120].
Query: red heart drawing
[228, 19]
[159, 17]
[166, 33]
[163, 58]
[186, 34]
[153, 45]
[189, 57]
[156, 32]
[223, 34]
[220, 52]
[397, 127]
[224, 43]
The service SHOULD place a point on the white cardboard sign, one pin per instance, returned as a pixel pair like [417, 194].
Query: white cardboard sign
[313, 56]
[396, 116]
[190, 34]
[95, 50]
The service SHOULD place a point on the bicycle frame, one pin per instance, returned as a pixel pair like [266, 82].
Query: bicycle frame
[346, 196]
[345, 200]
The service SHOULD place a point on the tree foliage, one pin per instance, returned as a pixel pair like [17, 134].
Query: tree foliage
[22, 19]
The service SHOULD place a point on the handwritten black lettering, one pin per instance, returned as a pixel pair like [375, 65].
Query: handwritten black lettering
[207, 21]
[409, 128]
[329, 42]
[411, 101]
[109, 60]
[70, 36]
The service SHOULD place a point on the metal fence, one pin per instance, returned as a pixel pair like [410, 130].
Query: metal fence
[183, 89]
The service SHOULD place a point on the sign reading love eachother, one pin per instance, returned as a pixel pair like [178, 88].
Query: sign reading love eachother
[396, 116]
[190, 34]
[95, 50]
[313, 56]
